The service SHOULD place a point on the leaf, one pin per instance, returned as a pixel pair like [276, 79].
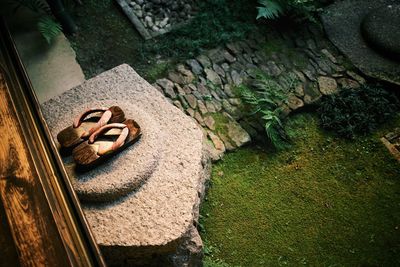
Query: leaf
[48, 28]
[265, 98]
[269, 10]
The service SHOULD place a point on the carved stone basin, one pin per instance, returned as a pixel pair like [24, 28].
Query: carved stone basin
[367, 33]
[142, 205]
[381, 30]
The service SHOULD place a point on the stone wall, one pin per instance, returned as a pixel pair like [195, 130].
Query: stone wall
[304, 64]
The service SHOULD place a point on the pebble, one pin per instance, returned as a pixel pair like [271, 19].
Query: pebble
[218, 144]
[295, 102]
[327, 85]
[204, 61]
[199, 118]
[195, 66]
[202, 107]
[210, 122]
[192, 101]
[162, 13]
[210, 106]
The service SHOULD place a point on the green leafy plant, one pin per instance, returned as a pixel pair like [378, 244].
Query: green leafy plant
[269, 9]
[354, 112]
[266, 98]
[48, 27]
[300, 9]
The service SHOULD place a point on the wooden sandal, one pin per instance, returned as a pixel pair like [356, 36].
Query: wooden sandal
[83, 125]
[106, 142]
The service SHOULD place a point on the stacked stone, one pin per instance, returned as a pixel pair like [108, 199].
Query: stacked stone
[158, 16]
[204, 87]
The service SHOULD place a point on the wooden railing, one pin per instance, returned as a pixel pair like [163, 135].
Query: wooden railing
[42, 223]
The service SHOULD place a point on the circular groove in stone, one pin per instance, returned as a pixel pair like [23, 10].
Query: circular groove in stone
[381, 30]
[342, 23]
[126, 171]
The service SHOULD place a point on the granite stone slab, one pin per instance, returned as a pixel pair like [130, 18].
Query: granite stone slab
[155, 218]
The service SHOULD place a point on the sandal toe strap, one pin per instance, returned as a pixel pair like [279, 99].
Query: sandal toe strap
[78, 120]
[104, 119]
[116, 144]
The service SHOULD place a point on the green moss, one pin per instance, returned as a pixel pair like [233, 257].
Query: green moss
[212, 86]
[298, 59]
[237, 90]
[157, 71]
[325, 202]
[346, 64]
[276, 45]
[280, 46]
[221, 127]
[221, 122]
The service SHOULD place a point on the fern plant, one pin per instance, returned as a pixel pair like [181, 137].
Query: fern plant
[266, 98]
[269, 9]
[300, 9]
[48, 27]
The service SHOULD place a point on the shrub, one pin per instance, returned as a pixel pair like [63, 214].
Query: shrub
[265, 97]
[353, 112]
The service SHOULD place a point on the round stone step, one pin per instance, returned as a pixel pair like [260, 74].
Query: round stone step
[155, 222]
[126, 171]
[381, 30]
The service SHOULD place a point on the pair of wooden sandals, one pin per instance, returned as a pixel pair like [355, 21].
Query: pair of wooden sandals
[98, 134]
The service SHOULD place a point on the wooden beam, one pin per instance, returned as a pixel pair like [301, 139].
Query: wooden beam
[36, 237]
[39, 205]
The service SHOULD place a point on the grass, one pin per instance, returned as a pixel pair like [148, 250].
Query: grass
[324, 202]
[106, 38]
